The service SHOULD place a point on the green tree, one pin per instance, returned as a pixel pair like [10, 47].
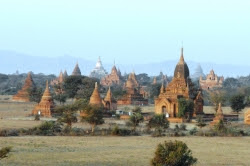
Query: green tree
[61, 97]
[59, 94]
[216, 98]
[4, 152]
[136, 117]
[68, 114]
[158, 121]
[35, 94]
[186, 108]
[86, 88]
[154, 90]
[93, 116]
[173, 154]
[72, 85]
[237, 102]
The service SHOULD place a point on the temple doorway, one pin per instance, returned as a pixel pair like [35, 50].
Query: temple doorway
[164, 110]
[108, 105]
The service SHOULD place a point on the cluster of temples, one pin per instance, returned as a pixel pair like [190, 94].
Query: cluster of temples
[133, 94]
[181, 86]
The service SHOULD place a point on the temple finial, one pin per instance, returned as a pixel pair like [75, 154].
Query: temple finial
[182, 57]
[96, 86]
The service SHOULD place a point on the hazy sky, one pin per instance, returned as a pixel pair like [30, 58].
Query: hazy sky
[130, 31]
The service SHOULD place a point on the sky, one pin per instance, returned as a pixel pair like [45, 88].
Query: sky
[128, 31]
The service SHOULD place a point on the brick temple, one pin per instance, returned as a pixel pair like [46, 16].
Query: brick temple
[133, 95]
[211, 81]
[23, 94]
[181, 86]
[76, 71]
[114, 78]
[46, 105]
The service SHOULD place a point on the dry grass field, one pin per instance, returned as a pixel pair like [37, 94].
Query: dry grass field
[114, 151]
[108, 150]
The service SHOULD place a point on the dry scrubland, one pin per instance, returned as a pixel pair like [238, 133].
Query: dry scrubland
[107, 150]
[138, 151]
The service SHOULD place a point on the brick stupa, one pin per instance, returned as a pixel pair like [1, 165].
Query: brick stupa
[95, 98]
[76, 71]
[218, 116]
[23, 94]
[46, 105]
[109, 102]
[58, 80]
[247, 117]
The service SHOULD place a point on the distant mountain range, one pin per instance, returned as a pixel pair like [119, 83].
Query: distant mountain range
[11, 62]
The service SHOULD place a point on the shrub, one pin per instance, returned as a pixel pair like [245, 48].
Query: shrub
[4, 152]
[9, 132]
[183, 127]
[220, 127]
[193, 131]
[37, 117]
[48, 128]
[157, 133]
[174, 154]
[120, 132]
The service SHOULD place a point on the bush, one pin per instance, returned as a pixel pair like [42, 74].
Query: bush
[120, 132]
[4, 152]
[157, 133]
[48, 128]
[174, 154]
[183, 127]
[9, 132]
[37, 117]
[193, 131]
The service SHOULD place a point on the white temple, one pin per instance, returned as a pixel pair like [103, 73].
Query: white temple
[99, 71]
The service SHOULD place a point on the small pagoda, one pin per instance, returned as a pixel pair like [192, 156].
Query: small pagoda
[46, 105]
[218, 116]
[109, 102]
[23, 94]
[76, 71]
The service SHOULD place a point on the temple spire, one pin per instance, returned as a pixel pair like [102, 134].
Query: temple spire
[162, 88]
[182, 57]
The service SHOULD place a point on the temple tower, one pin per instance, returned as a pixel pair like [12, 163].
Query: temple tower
[23, 94]
[46, 105]
[76, 71]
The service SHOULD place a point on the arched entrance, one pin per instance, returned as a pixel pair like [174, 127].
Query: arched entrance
[108, 105]
[163, 110]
